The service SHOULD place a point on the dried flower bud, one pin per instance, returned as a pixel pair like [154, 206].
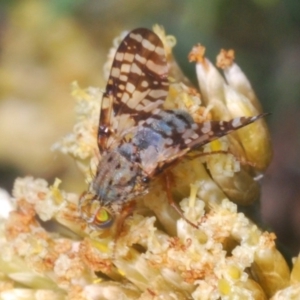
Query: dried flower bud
[236, 78]
[211, 84]
[270, 268]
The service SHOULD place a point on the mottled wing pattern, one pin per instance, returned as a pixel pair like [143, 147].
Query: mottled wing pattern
[167, 136]
[212, 130]
[136, 88]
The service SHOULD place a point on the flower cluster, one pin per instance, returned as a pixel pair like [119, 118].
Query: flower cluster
[48, 251]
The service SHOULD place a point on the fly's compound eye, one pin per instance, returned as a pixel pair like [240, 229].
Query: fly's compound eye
[103, 218]
[96, 215]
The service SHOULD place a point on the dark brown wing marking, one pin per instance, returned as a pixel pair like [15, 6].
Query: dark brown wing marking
[166, 137]
[209, 131]
[136, 88]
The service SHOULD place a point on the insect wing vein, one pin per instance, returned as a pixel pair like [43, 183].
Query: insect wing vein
[136, 88]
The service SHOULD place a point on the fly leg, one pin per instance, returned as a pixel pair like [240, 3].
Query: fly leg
[168, 179]
[126, 211]
[239, 159]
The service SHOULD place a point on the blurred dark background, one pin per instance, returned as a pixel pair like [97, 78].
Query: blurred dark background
[45, 45]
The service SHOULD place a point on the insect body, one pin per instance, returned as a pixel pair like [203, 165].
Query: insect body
[137, 139]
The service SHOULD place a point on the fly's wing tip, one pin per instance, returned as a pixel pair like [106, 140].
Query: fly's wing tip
[260, 116]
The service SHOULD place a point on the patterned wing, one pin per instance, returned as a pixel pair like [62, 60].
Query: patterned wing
[167, 136]
[211, 130]
[136, 88]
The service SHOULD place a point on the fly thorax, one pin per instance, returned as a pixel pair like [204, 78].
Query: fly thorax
[117, 179]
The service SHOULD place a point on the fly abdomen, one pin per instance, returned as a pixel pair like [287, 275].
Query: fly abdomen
[165, 129]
